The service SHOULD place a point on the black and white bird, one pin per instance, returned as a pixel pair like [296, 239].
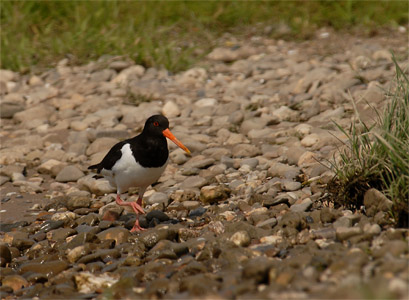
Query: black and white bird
[138, 162]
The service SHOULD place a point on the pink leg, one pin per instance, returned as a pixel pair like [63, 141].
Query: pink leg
[137, 207]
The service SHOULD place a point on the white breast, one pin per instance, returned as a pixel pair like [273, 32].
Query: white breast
[128, 173]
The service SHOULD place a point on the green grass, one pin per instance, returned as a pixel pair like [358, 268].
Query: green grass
[377, 156]
[170, 34]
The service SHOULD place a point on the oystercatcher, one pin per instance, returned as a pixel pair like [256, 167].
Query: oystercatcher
[138, 162]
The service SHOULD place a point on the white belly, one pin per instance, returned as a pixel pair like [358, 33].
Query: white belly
[128, 173]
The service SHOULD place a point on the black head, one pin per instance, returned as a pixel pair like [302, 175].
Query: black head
[156, 124]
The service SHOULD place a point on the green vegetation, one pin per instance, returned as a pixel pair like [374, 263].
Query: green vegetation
[378, 156]
[166, 33]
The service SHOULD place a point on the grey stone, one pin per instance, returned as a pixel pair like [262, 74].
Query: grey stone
[245, 150]
[375, 202]
[193, 182]
[8, 110]
[78, 199]
[69, 173]
[100, 144]
[283, 171]
[344, 233]
[268, 223]
[158, 197]
[251, 162]
[305, 205]
[252, 124]
[289, 185]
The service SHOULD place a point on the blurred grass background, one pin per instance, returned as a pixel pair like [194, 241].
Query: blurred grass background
[37, 34]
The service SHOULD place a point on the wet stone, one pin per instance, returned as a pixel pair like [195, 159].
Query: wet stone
[158, 215]
[14, 235]
[60, 234]
[49, 268]
[22, 244]
[100, 255]
[197, 212]
[16, 282]
[37, 278]
[5, 255]
[80, 239]
[90, 220]
[10, 227]
[120, 235]
[152, 237]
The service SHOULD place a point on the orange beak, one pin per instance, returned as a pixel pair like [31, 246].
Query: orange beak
[170, 136]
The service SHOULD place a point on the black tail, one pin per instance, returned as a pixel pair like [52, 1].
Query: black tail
[94, 167]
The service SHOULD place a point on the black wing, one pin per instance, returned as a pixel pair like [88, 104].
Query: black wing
[111, 158]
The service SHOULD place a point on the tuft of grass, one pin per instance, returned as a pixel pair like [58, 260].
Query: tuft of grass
[377, 156]
[170, 34]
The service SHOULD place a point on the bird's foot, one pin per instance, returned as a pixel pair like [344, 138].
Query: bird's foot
[137, 208]
[137, 227]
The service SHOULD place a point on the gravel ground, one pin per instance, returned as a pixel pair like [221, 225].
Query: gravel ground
[246, 216]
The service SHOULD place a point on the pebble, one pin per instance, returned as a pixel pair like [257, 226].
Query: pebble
[158, 197]
[301, 207]
[241, 238]
[193, 182]
[245, 150]
[344, 233]
[375, 201]
[78, 199]
[214, 194]
[171, 110]
[283, 171]
[310, 140]
[69, 173]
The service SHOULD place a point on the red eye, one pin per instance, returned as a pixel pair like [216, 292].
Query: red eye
[156, 123]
